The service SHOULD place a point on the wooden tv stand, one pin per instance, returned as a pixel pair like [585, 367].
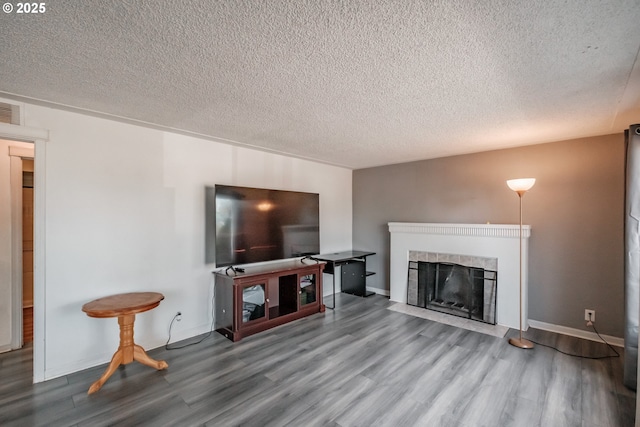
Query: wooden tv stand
[266, 296]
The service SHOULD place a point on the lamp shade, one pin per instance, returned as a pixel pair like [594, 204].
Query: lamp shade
[521, 185]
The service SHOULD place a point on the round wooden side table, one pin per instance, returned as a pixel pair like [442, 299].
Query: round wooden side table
[125, 307]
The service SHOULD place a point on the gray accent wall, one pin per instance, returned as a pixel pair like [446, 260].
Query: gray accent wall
[575, 209]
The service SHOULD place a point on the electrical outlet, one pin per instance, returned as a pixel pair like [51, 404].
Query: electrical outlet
[589, 315]
[178, 316]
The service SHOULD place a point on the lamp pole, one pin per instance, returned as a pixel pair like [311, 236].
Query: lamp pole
[520, 186]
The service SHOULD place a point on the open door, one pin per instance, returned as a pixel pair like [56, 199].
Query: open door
[27, 251]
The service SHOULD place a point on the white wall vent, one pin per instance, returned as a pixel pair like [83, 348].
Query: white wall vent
[9, 113]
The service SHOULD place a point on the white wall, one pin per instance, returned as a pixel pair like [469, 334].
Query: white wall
[124, 211]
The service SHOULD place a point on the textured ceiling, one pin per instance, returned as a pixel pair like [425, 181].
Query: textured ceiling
[350, 83]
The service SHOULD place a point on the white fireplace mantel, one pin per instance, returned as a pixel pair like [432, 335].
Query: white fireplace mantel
[499, 241]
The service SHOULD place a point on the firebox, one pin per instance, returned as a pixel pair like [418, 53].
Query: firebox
[459, 290]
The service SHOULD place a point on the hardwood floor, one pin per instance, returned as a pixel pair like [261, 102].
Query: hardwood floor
[360, 365]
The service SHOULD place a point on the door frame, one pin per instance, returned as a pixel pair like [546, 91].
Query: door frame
[38, 137]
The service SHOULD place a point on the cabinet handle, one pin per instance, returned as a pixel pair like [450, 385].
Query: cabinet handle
[267, 299]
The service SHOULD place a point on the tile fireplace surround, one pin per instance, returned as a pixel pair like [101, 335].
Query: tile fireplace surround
[499, 241]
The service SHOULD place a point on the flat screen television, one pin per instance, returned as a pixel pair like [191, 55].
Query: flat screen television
[247, 225]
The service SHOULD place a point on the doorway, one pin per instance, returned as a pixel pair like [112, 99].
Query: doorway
[22, 142]
[17, 223]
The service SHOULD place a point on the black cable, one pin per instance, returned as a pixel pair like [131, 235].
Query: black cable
[585, 357]
[166, 346]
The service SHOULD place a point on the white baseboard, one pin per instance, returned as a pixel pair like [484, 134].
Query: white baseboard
[374, 290]
[100, 359]
[378, 291]
[592, 336]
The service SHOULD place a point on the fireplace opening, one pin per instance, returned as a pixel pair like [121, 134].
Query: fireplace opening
[455, 289]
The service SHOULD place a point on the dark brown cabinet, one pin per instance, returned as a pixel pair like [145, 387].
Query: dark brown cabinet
[266, 296]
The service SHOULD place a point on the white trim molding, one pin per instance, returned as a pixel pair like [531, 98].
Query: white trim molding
[23, 133]
[474, 230]
[578, 333]
[378, 291]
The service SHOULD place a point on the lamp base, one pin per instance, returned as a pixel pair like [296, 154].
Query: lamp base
[520, 343]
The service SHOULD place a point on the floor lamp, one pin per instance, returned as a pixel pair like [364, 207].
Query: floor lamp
[521, 186]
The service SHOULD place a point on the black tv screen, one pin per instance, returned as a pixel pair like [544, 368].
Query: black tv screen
[247, 225]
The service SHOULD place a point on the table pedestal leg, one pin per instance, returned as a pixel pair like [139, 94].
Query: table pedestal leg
[127, 352]
[141, 356]
[126, 337]
[116, 360]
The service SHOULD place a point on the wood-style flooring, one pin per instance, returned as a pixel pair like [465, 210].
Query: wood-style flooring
[359, 365]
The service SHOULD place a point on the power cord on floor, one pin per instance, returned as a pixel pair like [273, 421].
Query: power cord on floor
[585, 357]
[167, 347]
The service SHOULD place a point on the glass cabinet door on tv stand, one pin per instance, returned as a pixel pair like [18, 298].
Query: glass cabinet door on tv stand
[266, 296]
[254, 302]
[308, 289]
